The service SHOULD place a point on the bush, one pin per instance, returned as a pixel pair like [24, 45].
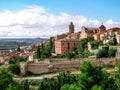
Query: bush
[70, 87]
[12, 61]
[112, 52]
[5, 78]
[14, 69]
[15, 86]
[102, 53]
[86, 53]
[113, 42]
[70, 55]
[94, 45]
[57, 82]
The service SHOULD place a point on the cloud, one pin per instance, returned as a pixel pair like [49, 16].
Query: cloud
[110, 23]
[36, 21]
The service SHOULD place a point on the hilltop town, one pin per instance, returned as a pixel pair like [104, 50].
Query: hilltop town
[65, 42]
[67, 51]
[100, 45]
[71, 39]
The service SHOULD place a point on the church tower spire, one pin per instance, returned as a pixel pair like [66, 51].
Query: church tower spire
[102, 28]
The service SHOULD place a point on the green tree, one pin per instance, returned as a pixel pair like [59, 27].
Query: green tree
[102, 53]
[86, 53]
[100, 43]
[38, 52]
[91, 75]
[21, 59]
[83, 45]
[14, 69]
[66, 78]
[70, 55]
[96, 87]
[42, 47]
[94, 45]
[48, 84]
[113, 41]
[5, 78]
[70, 87]
[15, 86]
[89, 39]
[112, 52]
[25, 85]
[17, 59]
[12, 60]
[51, 44]
[117, 77]
[18, 49]
[57, 82]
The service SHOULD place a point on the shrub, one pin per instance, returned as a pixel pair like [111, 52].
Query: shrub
[86, 53]
[12, 61]
[70, 55]
[14, 69]
[112, 52]
[94, 44]
[5, 78]
[111, 42]
[102, 53]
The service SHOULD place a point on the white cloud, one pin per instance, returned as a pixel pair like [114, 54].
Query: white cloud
[110, 23]
[36, 21]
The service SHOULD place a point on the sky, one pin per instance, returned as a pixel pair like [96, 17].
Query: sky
[46, 18]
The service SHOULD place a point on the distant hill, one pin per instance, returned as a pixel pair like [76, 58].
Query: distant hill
[11, 43]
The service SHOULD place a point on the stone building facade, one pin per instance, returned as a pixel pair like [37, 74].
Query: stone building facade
[63, 46]
[88, 31]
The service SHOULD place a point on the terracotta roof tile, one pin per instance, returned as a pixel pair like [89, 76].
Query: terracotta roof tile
[113, 29]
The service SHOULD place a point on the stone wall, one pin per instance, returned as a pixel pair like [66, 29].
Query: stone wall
[60, 65]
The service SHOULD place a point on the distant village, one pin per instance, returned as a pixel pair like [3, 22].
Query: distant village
[64, 43]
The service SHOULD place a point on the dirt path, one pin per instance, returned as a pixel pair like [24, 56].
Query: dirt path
[111, 71]
[42, 76]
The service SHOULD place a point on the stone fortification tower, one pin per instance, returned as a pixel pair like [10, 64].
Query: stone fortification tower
[23, 68]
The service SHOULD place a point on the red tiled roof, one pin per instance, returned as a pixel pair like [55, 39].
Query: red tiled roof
[113, 29]
[101, 32]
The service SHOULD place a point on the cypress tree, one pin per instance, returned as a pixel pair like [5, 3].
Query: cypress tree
[38, 52]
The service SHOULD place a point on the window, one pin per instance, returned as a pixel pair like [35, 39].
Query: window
[74, 44]
[68, 45]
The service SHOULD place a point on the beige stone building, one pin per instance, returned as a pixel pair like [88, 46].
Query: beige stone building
[88, 31]
[63, 46]
[116, 32]
[107, 35]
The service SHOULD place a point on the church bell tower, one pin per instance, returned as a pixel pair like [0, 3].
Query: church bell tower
[71, 28]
